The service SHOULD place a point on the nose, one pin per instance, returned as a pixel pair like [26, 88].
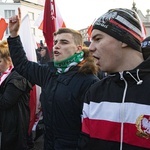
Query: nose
[56, 46]
[91, 47]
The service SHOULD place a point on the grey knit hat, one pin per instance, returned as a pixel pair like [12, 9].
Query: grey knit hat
[122, 24]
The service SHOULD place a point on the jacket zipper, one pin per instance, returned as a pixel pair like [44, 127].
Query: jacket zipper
[122, 109]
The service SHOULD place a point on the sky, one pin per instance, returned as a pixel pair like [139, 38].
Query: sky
[79, 14]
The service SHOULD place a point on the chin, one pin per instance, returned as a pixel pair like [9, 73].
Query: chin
[57, 59]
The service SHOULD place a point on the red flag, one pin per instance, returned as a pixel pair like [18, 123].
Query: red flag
[89, 30]
[49, 25]
[32, 105]
[59, 20]
[3, 27]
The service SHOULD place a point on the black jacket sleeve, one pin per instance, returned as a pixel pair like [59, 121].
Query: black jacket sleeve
[32, 71]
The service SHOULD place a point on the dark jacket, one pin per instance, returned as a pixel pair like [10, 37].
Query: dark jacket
[116, 112]
[14, 112]
[62, 95]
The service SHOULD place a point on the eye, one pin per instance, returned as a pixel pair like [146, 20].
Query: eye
[98, 39]
[64, 42]
[55, 42]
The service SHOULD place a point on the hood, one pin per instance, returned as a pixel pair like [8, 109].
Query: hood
[145, 65]
[88, 66]
[135, 76]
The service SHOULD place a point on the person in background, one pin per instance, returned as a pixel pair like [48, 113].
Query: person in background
[87, 43]
[116, 110]
[38, 56]
[63, 81]
[14, 104]
[43, 55]
[146, 47]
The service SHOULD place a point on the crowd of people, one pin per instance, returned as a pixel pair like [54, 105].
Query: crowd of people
[81, 110]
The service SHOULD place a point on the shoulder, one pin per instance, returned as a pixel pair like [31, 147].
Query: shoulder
[87, 79]
[18, 81]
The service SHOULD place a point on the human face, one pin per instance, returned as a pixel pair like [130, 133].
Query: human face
[107, 51]
[64, 46]
[43, 52]
[4, 65]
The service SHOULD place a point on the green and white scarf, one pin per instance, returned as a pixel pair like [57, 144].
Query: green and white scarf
[64, 65]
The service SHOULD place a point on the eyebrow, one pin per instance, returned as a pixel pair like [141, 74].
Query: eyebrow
[61, 40]
[96, 36]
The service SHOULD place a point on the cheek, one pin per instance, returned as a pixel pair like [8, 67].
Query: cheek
[113, 61]
[107, 56]
[67, 54]
[44, 53]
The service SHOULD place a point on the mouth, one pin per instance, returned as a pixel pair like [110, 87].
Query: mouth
[56, 53]
[96, 59]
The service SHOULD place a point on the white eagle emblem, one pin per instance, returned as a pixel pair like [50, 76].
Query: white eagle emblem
[143, 126]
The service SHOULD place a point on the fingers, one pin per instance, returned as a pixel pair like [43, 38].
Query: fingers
[13, 19]
[16, 17]
[19, 13]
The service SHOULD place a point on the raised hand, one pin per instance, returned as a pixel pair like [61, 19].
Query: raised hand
[14, 24]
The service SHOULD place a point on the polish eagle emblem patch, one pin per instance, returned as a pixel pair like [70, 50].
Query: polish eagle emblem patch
[143, 126]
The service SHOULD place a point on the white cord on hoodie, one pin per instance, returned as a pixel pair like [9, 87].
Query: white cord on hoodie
[122, 109]
[139, 81]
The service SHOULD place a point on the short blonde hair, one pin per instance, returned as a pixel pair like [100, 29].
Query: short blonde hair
[76, 35]
[4, 50]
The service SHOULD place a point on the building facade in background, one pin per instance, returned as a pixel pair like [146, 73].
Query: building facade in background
[34, 8]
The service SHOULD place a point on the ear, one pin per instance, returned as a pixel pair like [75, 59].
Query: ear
[9, 58]
[79, 48]
[124, 45]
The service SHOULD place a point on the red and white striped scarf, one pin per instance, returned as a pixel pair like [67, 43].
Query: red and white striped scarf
[5, 74]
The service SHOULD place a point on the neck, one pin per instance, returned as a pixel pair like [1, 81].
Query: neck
[131, 60]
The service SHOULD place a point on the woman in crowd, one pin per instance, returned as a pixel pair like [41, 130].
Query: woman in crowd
[14, 104]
